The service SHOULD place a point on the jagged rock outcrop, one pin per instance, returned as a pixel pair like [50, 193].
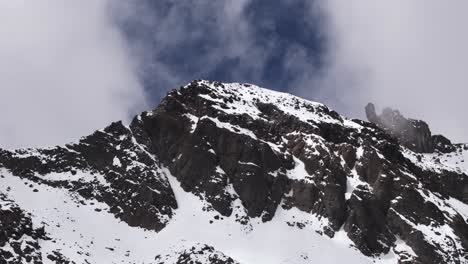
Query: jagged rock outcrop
[109, 166]
[245, 149]
[19, 240]
[413, 134]
[249, 153]
[196, 254]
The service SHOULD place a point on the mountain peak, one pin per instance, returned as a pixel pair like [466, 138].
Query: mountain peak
[413, 134]
[237, 171]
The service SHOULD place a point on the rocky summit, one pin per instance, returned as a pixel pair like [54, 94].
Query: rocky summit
[235, 173]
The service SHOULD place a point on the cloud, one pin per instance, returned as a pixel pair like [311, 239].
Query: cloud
[65, 70]
[178, 41]
[411, 55]
[238, 41]
[71, 67]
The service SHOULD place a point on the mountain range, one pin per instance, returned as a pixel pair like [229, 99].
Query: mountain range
[234, 173]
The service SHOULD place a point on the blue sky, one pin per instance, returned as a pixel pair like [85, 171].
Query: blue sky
[248, 41]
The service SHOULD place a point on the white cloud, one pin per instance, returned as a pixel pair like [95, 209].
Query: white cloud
[64, 72]
[411, 55]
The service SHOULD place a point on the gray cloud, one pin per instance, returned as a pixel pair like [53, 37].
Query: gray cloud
[243, 41]
[410, 55]
[67, 69]
[177, 41]
[64, 71]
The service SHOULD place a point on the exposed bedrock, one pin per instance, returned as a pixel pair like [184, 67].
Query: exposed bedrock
[413, 134]
[251, 151]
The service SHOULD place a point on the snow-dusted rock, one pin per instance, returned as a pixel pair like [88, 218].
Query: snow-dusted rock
[109, 166]
[248, 175]
[19, 240]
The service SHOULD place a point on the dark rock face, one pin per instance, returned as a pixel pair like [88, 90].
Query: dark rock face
[365, 223]
[207, 148]
[409, 211]
[19, 241]
[59, 258]
[443, 144]
[209, 158]
[112, 167]
[270, 151]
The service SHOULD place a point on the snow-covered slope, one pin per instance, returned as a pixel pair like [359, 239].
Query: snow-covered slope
[234, 173]
[81, 233]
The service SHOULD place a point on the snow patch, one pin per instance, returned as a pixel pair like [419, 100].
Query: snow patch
[116, 162]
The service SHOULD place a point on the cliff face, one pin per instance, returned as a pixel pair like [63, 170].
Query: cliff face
[252, 157]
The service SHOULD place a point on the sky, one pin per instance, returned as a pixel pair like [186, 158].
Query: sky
[71, 67]
[65, 71]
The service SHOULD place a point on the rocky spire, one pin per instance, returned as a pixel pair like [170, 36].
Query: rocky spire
[413, 134]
